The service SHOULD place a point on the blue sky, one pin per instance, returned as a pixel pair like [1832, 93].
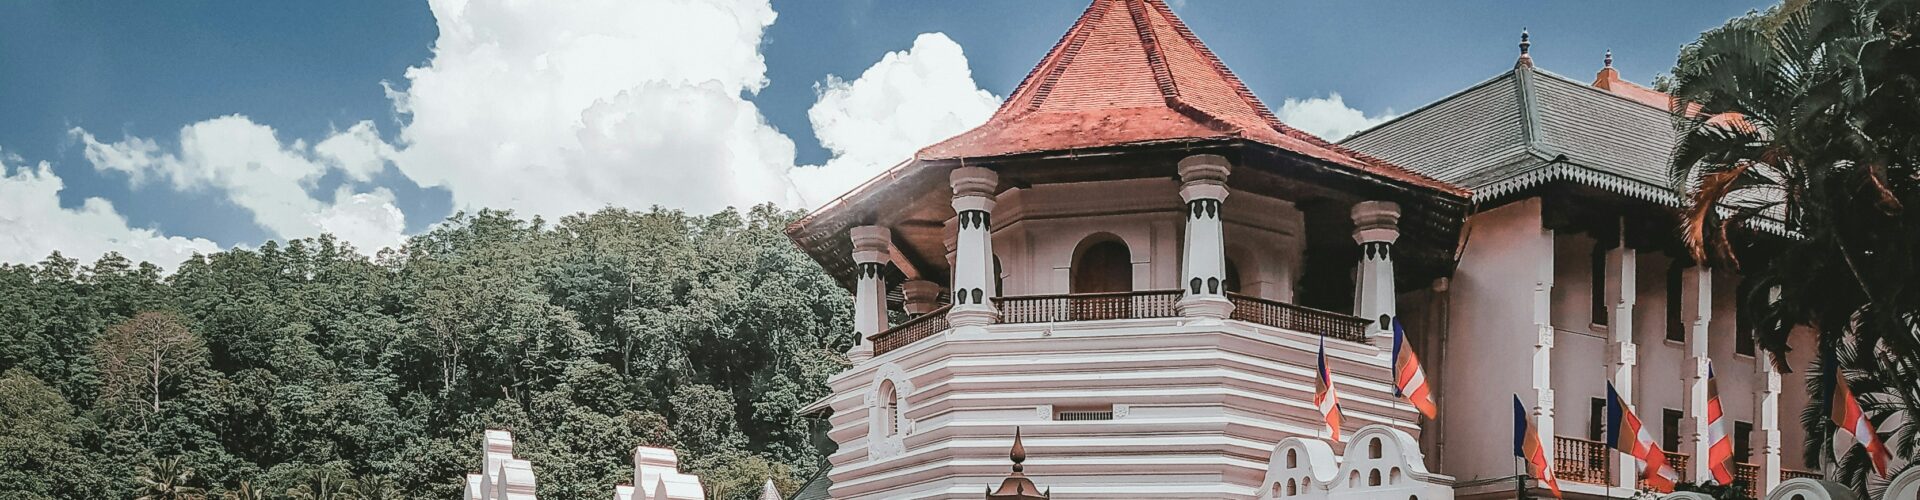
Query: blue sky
[660, 105]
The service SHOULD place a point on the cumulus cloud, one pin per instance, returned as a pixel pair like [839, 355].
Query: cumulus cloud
[552, 108]
[33, 225]
[1327, 117]
[247, 164]
[908, 100]
[556, 108]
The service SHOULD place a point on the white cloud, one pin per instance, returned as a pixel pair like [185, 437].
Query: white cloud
[552, 108]
[908, 100]
[1328, 117]
[556, 108]
[247, 164]
[33, 225]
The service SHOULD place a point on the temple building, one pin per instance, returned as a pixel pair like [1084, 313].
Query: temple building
[1136, 264]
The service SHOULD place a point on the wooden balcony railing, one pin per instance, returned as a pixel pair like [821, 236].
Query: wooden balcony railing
[1087, 306]
[1679, 464]
[1129, 305]
[1298, 318]
[920, 327]
[1749, 475]
[1786, 474]
[1580, 460]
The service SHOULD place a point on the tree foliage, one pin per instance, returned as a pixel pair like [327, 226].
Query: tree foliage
[1808, 116]
[303, 368]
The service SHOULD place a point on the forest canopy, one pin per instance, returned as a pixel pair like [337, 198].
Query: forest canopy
[304, 366]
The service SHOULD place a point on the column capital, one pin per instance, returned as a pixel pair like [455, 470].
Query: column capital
[1204, 169]
[871, 244]
[922, 296]
[973, 181]
[1376, 222]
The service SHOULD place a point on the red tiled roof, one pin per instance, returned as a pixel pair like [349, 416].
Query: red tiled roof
[1130, 72]
[1609, 80]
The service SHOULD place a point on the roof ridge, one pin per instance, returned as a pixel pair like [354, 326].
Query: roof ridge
[1062, 54]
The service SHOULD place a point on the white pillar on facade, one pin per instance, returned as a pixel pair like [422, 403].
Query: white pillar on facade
[1376, 226]
[973, 193]
[921, 296]
[1622, 353]
[1696, 312]
[1203, 268]
[1543, 337]
[1766, 410]
[872, 249]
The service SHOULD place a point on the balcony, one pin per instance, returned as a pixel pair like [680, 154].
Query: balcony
[1582, 461]
[1786, 474]
[1679, 464]
[1749, 475]
[1129, 305]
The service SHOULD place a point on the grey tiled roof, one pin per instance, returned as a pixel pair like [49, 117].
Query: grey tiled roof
[1511, 132]
[815, 489]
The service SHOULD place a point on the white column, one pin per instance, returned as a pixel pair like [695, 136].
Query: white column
[1622, 353]
[921, 296]
[973, 190]
[1376, 225]
[1203, 265]
[872, 249]
[1766, 409]
[1542, 309]
[1696, 311]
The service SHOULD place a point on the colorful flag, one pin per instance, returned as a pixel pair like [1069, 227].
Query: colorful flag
[1324, 396]
[1719, 444]
[1409, 380]
[1526, 445]
[1853, 428]
[1625, 433]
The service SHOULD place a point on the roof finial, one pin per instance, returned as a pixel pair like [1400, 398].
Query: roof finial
[1019, 453]
[1525, 44]
[1609, 58]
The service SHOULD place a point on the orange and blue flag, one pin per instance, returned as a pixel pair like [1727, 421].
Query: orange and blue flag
[1625, 433]
[1526, 445]
[1324, 397]
[1409, 381]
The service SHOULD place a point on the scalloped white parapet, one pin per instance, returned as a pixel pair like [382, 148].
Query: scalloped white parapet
[502, 477]
[657, 473]
[1380, 462]
[1811, 489]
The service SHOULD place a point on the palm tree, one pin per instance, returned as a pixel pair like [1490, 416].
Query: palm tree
[375, 487]
[1806, 118]
[167, 480]
[245, 491]
[324, 485]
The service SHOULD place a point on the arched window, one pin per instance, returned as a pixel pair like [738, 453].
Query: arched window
[1293, 458]
[889, 408]
[1103, 264]
[1373, 478]
[1232, 284]
[1373, 449]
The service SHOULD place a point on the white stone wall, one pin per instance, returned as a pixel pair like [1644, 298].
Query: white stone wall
[1191, 402]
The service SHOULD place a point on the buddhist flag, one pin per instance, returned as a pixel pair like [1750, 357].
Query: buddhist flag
[1851, 426]
[1719, 444]
[1324, 397]
[1625, 433]
[1526, 445]
[1409, 381]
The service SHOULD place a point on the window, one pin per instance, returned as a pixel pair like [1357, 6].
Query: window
[1743, 343]
[1597, 420]
[1741, 433]
[889, 408]
[1675, 331]
[1231, 282]
[1670, 430]
[1104, 266]
[1599, 285]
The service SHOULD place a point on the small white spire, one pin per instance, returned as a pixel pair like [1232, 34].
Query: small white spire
[769, 492]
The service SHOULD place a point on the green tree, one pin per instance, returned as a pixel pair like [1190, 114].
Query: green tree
[1805, 115]
[167, 480]
[41, 453]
